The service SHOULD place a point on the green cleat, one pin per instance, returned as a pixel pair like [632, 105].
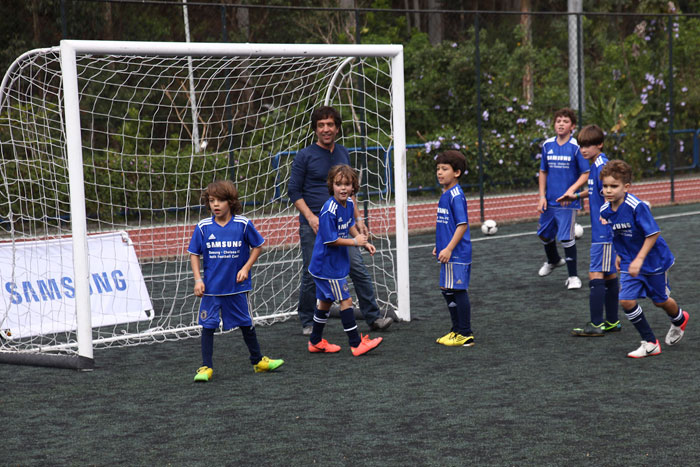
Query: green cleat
[204, 374]
[612, 327]
[267, 364]
[591, 330]
[445, 338]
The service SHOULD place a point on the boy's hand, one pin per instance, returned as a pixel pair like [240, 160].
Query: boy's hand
[369, 247]
[635, 267]
[361, 240]
[434, 251]
[445, 255]
[242, 274]
[362, 227]
[566, 198]
[617, 263]
[542, 205]
[603, 221]
[199, 288]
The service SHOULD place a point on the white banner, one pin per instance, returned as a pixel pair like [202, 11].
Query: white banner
[39, 295]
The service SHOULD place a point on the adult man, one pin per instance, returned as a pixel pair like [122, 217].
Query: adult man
[308, 191]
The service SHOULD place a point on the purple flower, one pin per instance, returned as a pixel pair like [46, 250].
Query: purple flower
[509, 109]
[649, 159]
[540, 123]
[682, 104]
[538, 156]
[485, 115]
[684, 89]
[454, 44]
[643, 98]
[437, 107]
[521, 121]
[449, 93]
[408, 174]
[662, 168]
[652, 124]
[500, 161]
[647, 38]
[457, 146]
[649, 77]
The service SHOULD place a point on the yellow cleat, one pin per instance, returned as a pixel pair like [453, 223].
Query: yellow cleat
[267, 364]
[459, 340]
[442, 340]
[204, 374]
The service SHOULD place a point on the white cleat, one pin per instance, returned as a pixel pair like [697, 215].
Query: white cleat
[647, 349]
[573, 282]
[675, 334]
[547, 268]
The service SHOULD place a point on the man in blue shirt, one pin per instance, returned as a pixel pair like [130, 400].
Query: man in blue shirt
[308, 192]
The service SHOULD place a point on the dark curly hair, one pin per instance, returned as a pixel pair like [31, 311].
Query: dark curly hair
[347, 173]
[223, 190]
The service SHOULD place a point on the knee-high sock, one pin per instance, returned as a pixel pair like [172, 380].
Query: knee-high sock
[550, 250]
[570, 256]
[636, 317]
[596, 300]
[612, 293]
[451, 307]
[464, 326]
[320, 319]
[251, 340]
[347, 316]
[207, 347]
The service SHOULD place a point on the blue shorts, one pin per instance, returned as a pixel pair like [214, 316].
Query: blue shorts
[330, 290]
[233, 310]
[654, 286]
[455, 276]
[557, 223]
[602, 258]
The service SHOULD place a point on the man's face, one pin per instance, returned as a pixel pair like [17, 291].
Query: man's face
[326, 132]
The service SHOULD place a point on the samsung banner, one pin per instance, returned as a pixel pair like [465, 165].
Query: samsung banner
[39, 297]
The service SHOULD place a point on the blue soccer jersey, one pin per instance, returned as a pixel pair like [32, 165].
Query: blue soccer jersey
[330, 261]
[564, 164]
[224, 251]
[632, 223]
[600, 233]
[451, 212]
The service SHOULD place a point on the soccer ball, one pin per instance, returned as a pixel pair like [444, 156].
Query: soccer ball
[489, 227]
[578, 231]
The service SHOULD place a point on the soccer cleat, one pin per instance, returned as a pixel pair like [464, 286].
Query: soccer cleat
[445, 338]
[323, 347]
[675, 334]
[458, 340]
[590, 330]
[204, 374]
[573, 282]
[267, 364]
[366, 344]
[547, 268]
[647, 349]
[612, 327]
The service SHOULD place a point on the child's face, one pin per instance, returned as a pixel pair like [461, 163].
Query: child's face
[614, 190]
[342, 188]
[446, 175]
[563, 127]
[591, 152]
[219, 207]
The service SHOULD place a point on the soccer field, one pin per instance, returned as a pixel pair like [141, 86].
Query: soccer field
[526, 393]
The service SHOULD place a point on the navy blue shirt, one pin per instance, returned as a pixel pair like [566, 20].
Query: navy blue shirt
[309, 175]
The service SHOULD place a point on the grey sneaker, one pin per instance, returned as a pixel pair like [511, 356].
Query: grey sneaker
[307, 330]
[590, 330]
[547, 268]
[381, 324]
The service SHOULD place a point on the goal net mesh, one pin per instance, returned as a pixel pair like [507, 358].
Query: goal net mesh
[156, 130]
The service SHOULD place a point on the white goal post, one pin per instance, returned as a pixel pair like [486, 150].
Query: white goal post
[105, 148]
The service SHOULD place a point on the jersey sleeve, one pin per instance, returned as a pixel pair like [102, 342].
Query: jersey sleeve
[252, 236]
[327, 229]
[645, 220]
[195, 247]
[543, 159]
[581, 163]
[458, 204]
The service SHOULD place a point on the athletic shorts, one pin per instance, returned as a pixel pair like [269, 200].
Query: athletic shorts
[602, 258]
[231, 309]
[455, 276]
[331, 290]
[557, 223]
[654, 286]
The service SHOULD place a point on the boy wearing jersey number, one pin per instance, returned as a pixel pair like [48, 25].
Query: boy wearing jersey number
[229, 245]
[453, 248]
[643, 258]
[330, 263]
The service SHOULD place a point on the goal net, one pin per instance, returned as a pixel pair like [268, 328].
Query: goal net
[107, 146]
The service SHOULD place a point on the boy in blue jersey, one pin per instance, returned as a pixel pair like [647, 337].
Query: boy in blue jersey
[643, 258]
[453, 248]
[229, 246]
[603, 283]
[330, 263]
[563, 170]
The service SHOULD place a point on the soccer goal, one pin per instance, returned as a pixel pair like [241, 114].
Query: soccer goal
[106, 147]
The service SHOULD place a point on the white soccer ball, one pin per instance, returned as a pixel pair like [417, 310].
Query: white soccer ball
[578, 231]
[489, 227]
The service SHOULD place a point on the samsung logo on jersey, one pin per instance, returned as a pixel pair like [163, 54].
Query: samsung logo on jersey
[55, 289]
[443, 211]
[224, 244]
[344, 225]
[622, 226]
[558, 158]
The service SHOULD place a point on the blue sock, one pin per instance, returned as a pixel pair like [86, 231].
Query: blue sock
[207, 347]
[251, 340]
[636, 317]
[570, 256]
[550, 250]
[451, 307]
[464, 326]
[596, 300]
[320, 319]
[612, 293]
[347, 317]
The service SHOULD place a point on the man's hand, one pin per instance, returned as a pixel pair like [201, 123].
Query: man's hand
[361, 240]
[313, 222]
[370, 248]
[362, 227]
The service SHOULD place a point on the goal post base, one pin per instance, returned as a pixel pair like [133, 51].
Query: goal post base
[72, 362]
